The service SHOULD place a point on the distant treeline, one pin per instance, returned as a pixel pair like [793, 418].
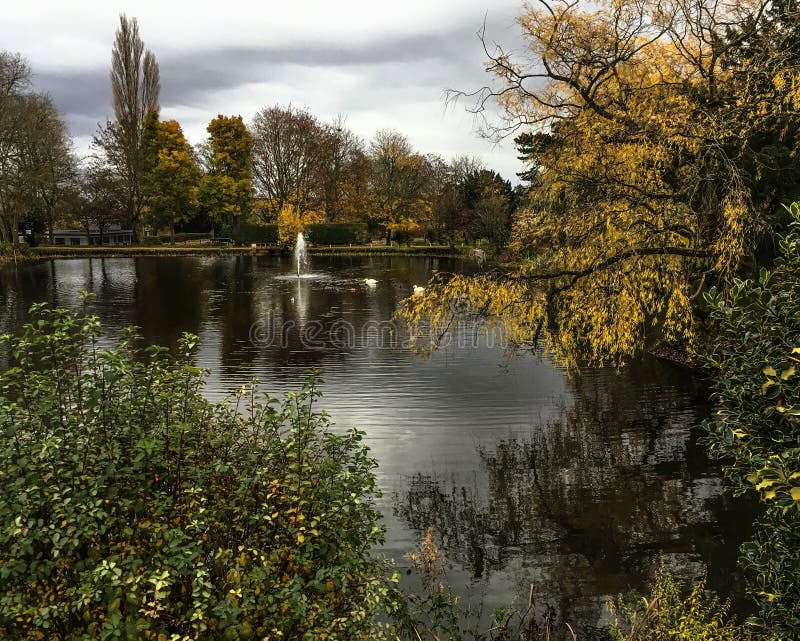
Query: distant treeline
[285, 167]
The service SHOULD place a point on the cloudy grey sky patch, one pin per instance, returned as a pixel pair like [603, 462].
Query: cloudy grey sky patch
[382, 65]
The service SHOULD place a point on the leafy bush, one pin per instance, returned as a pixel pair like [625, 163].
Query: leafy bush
[254, 233]
[8, 250]
[337, 233]
[756, 366]
[667, 615]
[133, 508]
[320, 234]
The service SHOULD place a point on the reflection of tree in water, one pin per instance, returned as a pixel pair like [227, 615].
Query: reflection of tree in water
[589, 499]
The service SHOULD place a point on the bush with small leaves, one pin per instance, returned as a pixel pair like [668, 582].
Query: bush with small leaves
[755, 364]
[133, 508]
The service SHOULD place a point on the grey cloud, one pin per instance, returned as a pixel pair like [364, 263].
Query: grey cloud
[187, 76]
[386, 75]
[227, 68]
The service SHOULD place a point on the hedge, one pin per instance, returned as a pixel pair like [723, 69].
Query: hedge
[337, 234]
[324, 234]
[254, 233]
[183, 237]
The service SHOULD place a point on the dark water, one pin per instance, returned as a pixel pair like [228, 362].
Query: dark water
[577, 486]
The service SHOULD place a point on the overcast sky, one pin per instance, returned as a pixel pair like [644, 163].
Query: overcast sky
[383, 65]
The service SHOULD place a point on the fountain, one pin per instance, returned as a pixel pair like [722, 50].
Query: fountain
[301, 272]
[300, 254]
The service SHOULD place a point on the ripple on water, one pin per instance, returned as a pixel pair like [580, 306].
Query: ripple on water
[578, 485]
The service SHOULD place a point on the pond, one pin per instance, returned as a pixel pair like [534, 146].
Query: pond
[578, 486]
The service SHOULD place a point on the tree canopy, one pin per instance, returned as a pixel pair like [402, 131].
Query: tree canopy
[171, 177]
[226, 189]
[135, 85]
[661, 139]
[36, 164]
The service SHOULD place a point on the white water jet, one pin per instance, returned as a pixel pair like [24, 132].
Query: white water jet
[300, 254]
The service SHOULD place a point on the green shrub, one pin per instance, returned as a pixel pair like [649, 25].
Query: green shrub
[7, 250]
[337, 234]
[133, 508]
[666, 614]
[756, 368]
[322, 234]
[151, 241]
[255, 233]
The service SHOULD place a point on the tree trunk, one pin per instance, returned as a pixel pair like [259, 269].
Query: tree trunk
[138, 232]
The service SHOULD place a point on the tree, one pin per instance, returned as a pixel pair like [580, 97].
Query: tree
[170, 176]
[397, 179]
[226, 191]
[95, 202]
[342, 173]
[353, 202]
[135, 85]
[288, 160]
[755, 364]
[450, 215]
[56, 166]
[291, 222]
[529, 146]
[14, 80]
[662, 141]
[490, 202]
[35, 157]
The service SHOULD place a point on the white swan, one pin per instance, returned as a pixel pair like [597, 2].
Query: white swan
[418, 291]
[371, 282]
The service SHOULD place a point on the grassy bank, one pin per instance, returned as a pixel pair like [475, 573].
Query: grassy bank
[208, 250]
[383, 250]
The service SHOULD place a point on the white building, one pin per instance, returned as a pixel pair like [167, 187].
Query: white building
[112, 235]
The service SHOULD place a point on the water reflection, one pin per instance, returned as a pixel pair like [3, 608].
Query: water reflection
[577, 486]
[585, 503]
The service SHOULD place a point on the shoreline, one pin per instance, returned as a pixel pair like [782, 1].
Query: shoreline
[51, 252]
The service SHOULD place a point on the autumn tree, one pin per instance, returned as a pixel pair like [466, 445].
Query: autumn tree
[468, 202]
[287, 157]
[342, 173]
[170, 176]
[353, 202]
[662, 137]
[444, 200]
[398, 176]
[226, 191]
[135, 84]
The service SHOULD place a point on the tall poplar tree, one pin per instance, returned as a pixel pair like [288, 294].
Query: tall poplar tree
[135, 89]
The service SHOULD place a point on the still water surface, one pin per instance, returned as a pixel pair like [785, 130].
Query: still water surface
[578, 486]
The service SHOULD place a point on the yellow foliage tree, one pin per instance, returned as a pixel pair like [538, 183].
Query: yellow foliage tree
[662, 137]
[291, 222]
